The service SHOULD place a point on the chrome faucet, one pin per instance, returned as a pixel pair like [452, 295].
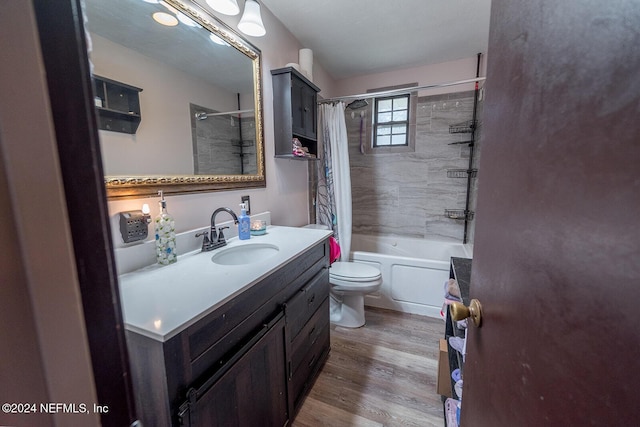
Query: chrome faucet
[217, 239]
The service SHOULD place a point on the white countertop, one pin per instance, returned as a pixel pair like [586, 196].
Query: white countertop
[161, 301]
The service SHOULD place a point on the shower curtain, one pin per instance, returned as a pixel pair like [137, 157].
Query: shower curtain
[333, 203]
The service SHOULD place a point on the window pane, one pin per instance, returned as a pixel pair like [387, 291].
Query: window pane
[383, 140]
[384, 130]
[385, 105]
[384, 117]
[397, 129]
[400, 103]
[399, 139]
[399, 116]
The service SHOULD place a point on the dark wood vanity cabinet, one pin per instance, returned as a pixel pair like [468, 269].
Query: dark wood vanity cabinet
[295, 111]
[250, 362]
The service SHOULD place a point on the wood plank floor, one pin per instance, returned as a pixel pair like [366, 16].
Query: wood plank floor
[383, 374]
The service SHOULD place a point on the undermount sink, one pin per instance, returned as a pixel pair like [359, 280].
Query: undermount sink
[245, 254]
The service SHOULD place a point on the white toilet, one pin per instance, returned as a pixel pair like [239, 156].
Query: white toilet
[350, 282]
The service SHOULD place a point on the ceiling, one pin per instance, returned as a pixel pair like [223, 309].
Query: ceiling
[358, 37]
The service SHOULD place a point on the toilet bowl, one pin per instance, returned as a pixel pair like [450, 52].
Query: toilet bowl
[350, 282]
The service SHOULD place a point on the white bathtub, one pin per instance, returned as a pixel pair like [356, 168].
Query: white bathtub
[413, 270]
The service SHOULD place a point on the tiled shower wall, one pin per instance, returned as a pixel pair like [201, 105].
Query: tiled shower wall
[407, 193]
[216, 144]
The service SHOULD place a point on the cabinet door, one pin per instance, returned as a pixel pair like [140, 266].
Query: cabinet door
[309, 117]
[251, 392]
[298, 106]
[303, 109]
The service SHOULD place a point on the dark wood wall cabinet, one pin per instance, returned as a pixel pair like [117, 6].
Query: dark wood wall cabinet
[295, 112]
[118, 105]
[249, 362]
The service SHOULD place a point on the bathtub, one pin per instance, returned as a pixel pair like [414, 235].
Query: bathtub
[413, 270]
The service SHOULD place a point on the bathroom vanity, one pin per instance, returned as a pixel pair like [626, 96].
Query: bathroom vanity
[231, 344]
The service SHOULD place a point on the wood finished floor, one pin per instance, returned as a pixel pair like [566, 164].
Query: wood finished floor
[383, 374]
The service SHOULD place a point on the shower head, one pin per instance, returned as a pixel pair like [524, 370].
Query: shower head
[358, 103]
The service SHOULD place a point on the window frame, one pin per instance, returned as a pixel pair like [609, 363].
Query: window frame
[367, 132]
[376, 124]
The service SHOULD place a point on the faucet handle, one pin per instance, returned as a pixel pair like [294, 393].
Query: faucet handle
[220, 234]
[206, 243]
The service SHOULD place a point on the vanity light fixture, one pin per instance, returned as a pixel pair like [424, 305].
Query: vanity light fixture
[251, 21]
[226, 7]
[165, 19]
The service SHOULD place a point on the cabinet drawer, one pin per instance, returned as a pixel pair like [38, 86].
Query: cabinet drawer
[301, 307]
[312, 332]
[309, 365]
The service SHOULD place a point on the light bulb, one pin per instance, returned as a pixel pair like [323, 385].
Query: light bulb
[251, 21]
[165, 19]
[226, 7]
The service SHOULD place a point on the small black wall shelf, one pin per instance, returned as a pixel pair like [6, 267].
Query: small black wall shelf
[118, 105]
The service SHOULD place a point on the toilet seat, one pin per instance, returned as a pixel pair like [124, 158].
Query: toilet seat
[354, 272]
[354, 277]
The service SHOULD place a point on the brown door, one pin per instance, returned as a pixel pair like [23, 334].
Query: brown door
[556, 259]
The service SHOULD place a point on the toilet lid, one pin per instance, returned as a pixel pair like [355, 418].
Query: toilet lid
[354, 272]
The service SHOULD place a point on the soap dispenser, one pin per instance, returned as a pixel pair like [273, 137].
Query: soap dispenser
[165, 235]
[244, 223]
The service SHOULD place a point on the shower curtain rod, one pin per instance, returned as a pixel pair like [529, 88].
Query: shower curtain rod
[203, 115]
[399, 91]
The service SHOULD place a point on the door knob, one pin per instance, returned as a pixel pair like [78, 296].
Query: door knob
[459, 311]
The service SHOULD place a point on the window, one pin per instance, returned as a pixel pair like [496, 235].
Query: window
[391, 121]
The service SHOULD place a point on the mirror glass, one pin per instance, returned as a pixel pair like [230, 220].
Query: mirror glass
[179, 105]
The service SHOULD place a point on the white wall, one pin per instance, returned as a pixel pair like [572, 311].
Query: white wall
[286, 193]
[451, 71]
[163, 142]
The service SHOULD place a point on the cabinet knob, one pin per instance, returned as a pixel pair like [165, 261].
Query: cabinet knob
[460, 311]
[306, 109]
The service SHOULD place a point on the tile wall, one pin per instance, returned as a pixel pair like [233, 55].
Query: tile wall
[407, 193]
[216, 144]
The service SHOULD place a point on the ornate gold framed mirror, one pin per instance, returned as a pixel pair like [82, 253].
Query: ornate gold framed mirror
[200, 101]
